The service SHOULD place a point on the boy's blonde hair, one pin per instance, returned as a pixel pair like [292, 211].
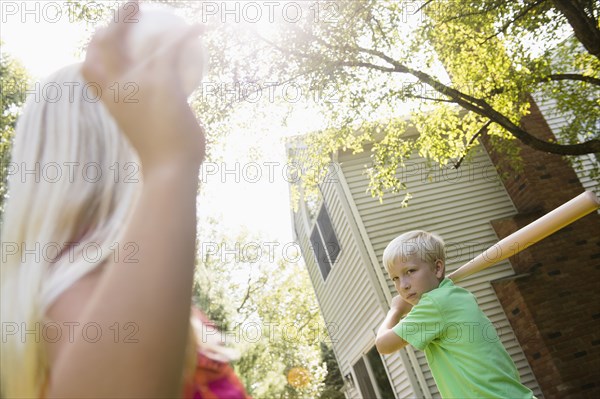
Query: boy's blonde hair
[429, 247]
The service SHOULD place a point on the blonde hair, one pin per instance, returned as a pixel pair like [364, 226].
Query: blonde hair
[68, 183]
[429, 247]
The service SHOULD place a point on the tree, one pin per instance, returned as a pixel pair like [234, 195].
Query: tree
[13, 82]
[285, 360]
[333, 381]
[463, 69]
[455, 70]
[266, 308]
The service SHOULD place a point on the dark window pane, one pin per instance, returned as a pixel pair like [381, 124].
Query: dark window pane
[364, 382]
[331, 242]
[381, 378]
[320, 253]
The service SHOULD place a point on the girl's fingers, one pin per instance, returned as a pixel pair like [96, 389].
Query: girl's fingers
[93, 68]
[169, 60]
[127, 16]
[109, 59]
[107, 55]
[183, 37]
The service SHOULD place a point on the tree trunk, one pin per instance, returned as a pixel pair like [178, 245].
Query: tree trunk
[584, 25]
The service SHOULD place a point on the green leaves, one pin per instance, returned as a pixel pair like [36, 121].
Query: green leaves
[389, 154]
[476, 63]
[14, 81]
[454, 67]
[262, 300]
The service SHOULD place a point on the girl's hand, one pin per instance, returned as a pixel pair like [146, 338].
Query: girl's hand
[145, 97]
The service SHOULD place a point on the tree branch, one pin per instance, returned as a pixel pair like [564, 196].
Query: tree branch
[471, 141]
[477, 105]
[482, 108]
[470, 14]
[441, 100]
[364, 65]
[425, 5]
[519, 15]
[571, 76]
[311, 316]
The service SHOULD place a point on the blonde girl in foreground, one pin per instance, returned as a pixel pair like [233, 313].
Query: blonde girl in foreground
[109, 314]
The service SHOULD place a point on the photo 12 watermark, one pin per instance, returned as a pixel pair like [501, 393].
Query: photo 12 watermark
[450, 332]
[71, 252]
[268, 172]
[51, 92]
[463, 251]
[253, 332]
[424, 172]
[289, 92]
[250, 252]
[55, 12]
[69, 172]
[255, 12]
[70, 331]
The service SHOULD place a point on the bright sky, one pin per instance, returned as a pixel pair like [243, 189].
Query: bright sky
[237, 191]
[40, 35]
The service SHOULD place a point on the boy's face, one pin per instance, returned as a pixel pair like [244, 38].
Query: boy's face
[414, 277]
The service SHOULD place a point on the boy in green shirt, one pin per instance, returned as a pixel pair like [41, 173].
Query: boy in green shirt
[463, 350]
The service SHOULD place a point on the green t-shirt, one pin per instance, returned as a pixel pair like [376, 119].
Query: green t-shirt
[463, 350]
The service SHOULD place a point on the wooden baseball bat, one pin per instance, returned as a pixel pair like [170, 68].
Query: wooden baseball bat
[535, 231]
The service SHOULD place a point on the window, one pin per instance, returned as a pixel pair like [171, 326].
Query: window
[371, 376]
[324, 242]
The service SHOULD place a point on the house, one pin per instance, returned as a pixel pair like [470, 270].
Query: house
[544, 302]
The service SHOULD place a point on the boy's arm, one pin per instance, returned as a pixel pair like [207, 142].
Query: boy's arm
[387, 340]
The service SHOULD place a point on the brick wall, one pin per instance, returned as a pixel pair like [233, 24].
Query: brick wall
[553, 302]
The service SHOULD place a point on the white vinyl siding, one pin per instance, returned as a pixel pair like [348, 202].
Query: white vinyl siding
[348, 299]
[397, 365]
